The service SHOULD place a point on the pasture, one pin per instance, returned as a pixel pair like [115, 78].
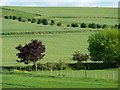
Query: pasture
[59, 46]
[71, 79]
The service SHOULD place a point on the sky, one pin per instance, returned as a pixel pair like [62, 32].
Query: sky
[57, 3]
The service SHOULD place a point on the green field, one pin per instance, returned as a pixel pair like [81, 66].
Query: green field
[71, 79]
[67, 15]
[59, 46]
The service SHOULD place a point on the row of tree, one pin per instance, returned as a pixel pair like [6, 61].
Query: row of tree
[52, 22]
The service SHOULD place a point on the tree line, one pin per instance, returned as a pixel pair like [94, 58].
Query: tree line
[52, 22]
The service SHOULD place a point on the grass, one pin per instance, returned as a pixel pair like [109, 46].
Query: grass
[38, 80]
[87, 15]
[58, 46]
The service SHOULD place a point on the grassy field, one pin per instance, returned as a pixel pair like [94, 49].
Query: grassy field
[66, 15]
[58, 47]
[71, 79]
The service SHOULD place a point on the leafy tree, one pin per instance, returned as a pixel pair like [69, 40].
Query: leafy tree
[74, 25]
[39, 21]
[31, 52]
[83, 25]
[104, 26]
[59, 24]
[99, 26]
[80, 57]
[52, 22]
[10, 17]
[105, 46]
[5, 17]
[92, 25]
[14, 17]
[68, 25]
[29, 19]
[45, 22]
[20, 19]
[33, 20]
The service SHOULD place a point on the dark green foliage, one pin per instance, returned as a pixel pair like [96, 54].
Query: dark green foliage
[39, 21]
[29, 19]
[45, 22]
[80, 57]
[33, 20]
[74, 25]
[10, 17]
[99, 26]
[5, 17]
[118, 26]
[20, 19]
[68, 25]
[92, 25]
[52, 22]
[104, 46]
[59, 24]
[31, 52]
[83, 25]
[14, 17]
[104, 26]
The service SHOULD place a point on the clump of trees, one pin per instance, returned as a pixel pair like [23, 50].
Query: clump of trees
[105, 46]
[31, 52]
[77, 56]
[45, 22]
[74, 25]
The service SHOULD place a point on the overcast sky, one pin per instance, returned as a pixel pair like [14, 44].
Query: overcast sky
[73, 3]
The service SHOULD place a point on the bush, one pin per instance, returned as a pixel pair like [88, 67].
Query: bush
[74, 25]
[5, 17]
[33, 21]
[52, 22]
[59, 24]
[14, 17]
[99, 26]
[92, 25]
[10, 17]
[20, 19]
[29, 19]
[104, 26]
[83, 25]
[39, 21]
[45, 22]
[68, 25]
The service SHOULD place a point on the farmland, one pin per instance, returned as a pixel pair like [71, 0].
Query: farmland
[59, 46]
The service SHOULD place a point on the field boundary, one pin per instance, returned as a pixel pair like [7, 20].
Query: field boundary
[47, 32]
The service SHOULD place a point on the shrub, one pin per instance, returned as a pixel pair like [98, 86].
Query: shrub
[59, 24]
[33, 20]
[68, 25]
[52, 22]
[74, 25]
[14, 17]
[45, 22]
[29, 19]
[61, 65]
[99, 26]
[83, 25]
[39, 21]
[10, 17]
[20, 19]
[104, 26]
[92, 25]
[5, 17]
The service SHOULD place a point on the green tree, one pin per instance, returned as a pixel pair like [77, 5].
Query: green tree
[59, 24]
[45, 22]
[105, 46]
[52, 22]
[33, 20]
[74, 25]
[20, 19]
[83, 25]
[14, 17]
[39, 21]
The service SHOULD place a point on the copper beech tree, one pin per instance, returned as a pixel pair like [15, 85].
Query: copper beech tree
[31, 52]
